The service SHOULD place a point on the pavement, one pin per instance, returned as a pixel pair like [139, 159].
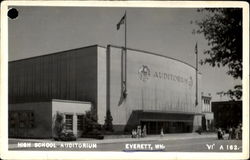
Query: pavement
[109, 139]
[180, 136]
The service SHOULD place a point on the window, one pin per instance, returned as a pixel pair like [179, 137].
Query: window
[69, 122]
[80, 122]
[205, 101]
[21, 119]
[13, 120]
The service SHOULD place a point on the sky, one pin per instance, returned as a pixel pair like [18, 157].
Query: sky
[166, 31]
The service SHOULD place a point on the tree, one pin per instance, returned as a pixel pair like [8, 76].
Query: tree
[58, 125]
[222, 28]
[92, 129]
[90, 122]
[234, 94]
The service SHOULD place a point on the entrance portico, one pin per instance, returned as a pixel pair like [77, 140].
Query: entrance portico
[170, 122]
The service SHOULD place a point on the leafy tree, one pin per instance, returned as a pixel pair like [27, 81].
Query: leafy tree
[90, 123]
[233, 94]
[222, 28]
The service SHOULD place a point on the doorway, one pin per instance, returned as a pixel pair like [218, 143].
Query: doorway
[154, 127]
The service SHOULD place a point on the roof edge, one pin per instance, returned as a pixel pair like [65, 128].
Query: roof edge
[156, 54]
[58, 52]
[97, 45]
[70, 101]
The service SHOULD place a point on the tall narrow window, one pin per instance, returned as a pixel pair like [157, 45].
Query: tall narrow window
[69, 121]
[80, 122]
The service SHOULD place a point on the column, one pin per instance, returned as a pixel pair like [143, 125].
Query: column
[75, 124]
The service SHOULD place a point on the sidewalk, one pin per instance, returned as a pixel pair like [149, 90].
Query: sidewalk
[121, 138]
[180, 136]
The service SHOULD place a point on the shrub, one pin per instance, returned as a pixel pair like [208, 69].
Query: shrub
[58, 126]
[67, 136]
[91, 127]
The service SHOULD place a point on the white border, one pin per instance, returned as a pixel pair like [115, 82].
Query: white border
[5, 154]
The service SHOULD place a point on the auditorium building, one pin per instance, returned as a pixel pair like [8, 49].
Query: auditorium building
[137, 87]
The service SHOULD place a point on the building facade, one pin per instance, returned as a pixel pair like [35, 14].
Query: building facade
[37, 119]
[138, 87]
[208, 115]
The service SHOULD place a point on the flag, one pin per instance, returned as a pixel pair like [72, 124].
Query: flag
[123, 93]
[122, 21]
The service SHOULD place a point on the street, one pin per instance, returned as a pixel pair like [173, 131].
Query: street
[190, 145]
[194, 143]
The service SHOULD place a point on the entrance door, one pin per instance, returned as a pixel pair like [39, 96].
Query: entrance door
[151, 126]
[154, 127]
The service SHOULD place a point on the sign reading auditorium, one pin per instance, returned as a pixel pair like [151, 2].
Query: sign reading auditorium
[144, 75]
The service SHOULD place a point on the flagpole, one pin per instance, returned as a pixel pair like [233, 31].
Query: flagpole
[196, 89]
[125, 30]
[125, 52]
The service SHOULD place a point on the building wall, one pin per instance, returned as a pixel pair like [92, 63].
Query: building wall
[208, 116]
[44, 117]
[119, 113]
[42, 120]
[227, 113]
[69, 107]
[169, 85]
[101, 84]
[70, 75]
[197, 123]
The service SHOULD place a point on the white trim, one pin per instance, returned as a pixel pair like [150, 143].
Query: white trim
[70, 101]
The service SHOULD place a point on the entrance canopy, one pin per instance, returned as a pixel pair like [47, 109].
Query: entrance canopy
[149, 115]
[170, 121]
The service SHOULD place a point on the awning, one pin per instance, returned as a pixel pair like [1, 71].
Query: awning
[152, 115]
[171, 112]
